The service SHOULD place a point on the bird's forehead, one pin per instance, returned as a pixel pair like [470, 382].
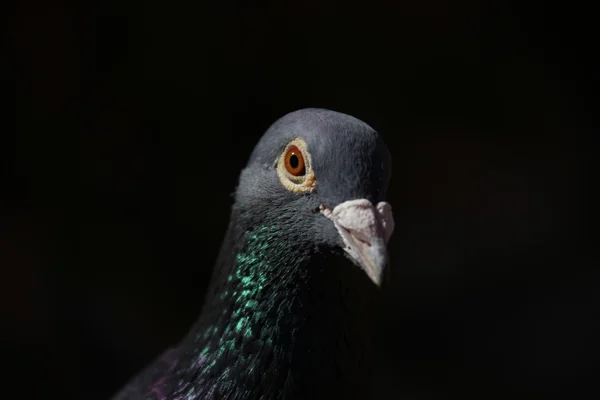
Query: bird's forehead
[325, 133]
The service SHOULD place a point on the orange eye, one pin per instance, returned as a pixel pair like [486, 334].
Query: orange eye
[294, 161]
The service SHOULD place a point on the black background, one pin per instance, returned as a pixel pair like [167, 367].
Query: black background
[132, 120]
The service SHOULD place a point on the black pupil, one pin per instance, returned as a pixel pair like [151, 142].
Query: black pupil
[294, 162]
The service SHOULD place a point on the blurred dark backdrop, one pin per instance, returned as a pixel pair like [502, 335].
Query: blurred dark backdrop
[128, 123]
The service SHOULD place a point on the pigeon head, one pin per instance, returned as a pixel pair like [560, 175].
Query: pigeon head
[321, 177]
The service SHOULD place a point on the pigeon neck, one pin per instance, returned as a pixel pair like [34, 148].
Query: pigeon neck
[276, 312]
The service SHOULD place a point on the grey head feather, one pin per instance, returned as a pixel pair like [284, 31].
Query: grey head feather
[350, 158]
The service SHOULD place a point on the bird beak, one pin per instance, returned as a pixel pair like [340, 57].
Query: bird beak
[365, 231]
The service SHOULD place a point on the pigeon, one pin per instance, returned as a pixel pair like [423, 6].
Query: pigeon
[289, 310]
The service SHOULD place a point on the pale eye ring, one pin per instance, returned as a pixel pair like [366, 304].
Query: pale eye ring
[294, 167]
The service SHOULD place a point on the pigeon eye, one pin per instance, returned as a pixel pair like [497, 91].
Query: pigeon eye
[294, 161]
[294, 169]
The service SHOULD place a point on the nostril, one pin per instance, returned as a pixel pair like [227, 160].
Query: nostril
[363, 241]
[358, 236]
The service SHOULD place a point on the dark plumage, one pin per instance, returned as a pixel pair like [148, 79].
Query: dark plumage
[288, 312]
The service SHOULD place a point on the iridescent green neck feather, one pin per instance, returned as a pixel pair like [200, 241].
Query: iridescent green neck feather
[276, 314]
